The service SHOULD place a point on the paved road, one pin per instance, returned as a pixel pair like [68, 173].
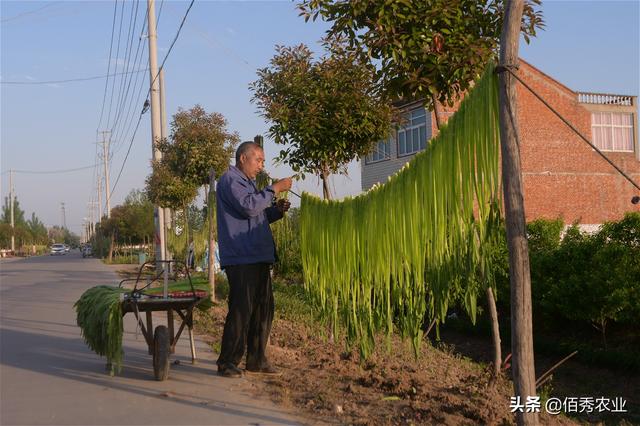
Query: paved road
[49, 376]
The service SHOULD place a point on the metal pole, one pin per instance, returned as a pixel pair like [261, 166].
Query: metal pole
[156, 127]
[13, 238]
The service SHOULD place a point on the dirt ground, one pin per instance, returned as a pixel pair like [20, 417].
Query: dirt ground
[449, 384]
[330, 385]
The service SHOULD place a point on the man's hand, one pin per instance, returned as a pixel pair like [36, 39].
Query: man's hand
[282, 185]
[283, 205]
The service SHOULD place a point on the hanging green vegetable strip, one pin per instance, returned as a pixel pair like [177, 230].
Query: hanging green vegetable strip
[99, 315]
[408, 248]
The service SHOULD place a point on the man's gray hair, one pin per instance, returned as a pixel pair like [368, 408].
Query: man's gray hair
[244, 148]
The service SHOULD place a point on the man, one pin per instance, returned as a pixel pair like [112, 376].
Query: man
[247, 251]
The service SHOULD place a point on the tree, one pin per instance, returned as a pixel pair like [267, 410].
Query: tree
[18, 213]
[138, 216]
[523, 369]
[200, 144]
[435, 50]
[327, 112]
[431, 50]
[37, 230]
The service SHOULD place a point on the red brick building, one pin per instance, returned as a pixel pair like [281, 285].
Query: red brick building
[563, 176]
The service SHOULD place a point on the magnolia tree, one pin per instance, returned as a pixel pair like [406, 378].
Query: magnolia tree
[326, 112]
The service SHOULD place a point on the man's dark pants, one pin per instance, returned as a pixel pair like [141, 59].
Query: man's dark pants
[248, 322]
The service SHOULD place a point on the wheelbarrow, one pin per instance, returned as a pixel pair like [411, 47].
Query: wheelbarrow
[144, 297]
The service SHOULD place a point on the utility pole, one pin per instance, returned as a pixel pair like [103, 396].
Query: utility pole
[11, 196]
[163, 135]
[156, 125]
[105, 157]
[63, 216]
[99, 190]
[91, 220]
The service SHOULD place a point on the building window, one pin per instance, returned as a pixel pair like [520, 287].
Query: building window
[381, 151]
[412, 136]
[612, 131]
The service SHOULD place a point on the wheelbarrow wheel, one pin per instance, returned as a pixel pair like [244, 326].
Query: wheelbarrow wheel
[161, 351]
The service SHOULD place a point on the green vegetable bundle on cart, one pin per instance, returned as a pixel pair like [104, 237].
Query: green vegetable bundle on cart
[99, 316]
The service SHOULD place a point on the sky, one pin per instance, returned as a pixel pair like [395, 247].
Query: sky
[591, 46]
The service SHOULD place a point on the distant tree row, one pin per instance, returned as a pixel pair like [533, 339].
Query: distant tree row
[28, 232]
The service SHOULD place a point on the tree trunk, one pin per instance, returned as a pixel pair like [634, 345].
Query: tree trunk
[113, 240]
[437, 111]
[519, 275]
[212, 236]
[325, 183]
[186, 235]
[495, 332]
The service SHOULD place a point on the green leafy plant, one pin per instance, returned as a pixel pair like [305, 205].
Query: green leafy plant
[405, 249]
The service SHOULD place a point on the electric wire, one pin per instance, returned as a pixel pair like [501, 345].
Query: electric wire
[30, 12]
[121, 134]
[126, 156]
[42, 172]
[113, 85]
[127, 60]
[71, 80]
[152, 82]
[106, 84]
[123, 96]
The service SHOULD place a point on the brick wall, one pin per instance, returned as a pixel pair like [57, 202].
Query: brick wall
[563, 176]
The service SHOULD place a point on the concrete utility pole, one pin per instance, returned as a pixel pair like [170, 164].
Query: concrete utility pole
[99, 190]
[63, 215]
[105, 157]
[164, 136]
[156, 125]
[11, 196]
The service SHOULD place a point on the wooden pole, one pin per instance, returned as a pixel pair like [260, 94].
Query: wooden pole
[495, 332]
[212, 241]
[519, 274]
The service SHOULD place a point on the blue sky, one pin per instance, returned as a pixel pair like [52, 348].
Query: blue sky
[587, 45]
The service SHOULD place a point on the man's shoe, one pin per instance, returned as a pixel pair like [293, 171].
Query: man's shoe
[266, 370]
[230, 371]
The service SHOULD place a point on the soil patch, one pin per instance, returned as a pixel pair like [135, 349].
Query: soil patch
[330, 384]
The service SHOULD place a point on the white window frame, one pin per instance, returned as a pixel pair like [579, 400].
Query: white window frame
[413, 125]
[381, 151]
[611, 127]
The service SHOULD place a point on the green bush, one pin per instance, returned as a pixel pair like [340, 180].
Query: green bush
[583, 280]
[286, 234]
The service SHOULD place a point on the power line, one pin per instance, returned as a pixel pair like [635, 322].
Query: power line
[184, 18]
[71, 80]
[127, 63]
[151, 85]
[55, 171]
[113, 84]
[31, 12]
[136, 61]
[128, 151]
[106, 84]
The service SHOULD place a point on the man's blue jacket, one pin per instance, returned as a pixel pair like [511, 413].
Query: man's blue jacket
[243, 218]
